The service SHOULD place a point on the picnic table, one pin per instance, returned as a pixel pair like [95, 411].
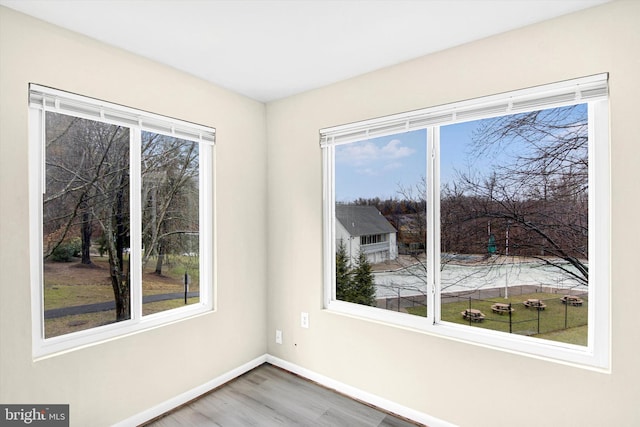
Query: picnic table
[473, 315]
[502, 308]
[571, 300]
[535, 303]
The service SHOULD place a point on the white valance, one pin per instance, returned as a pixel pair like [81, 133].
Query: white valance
[559, 94]
[63, 102]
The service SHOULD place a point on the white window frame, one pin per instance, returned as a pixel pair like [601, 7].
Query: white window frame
[592, 90]
[43, 99]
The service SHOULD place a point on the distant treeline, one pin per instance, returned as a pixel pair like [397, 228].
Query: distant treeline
[555, 228]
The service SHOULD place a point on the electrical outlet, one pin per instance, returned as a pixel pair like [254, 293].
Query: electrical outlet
[278, 336]
[304, 319]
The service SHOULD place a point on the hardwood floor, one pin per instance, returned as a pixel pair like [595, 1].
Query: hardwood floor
[269, 396]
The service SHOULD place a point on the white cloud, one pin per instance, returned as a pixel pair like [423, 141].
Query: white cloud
[367, 172]
[370, 154]
[392, 166]
[395, 150]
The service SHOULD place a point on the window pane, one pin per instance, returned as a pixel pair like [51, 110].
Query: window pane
[514, 223]
[170, 222]
[85, 224]
[380, 190]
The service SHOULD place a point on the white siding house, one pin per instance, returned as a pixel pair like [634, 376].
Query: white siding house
[364, 228]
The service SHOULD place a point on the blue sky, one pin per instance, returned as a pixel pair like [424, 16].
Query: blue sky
[455, 155]
[380, 167]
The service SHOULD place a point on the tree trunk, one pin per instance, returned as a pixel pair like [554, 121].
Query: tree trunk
[119, 277]
[120, 287]
[87, 230]
[160, 260]
[119, 281]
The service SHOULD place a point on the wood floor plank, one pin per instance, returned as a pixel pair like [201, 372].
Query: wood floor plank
[269, 396]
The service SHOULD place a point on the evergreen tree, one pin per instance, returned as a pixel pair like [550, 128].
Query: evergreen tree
[343, 274]
[364, 290]
[354, 284]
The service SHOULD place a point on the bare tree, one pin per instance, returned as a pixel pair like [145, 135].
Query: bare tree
[88, 193]
[537, 188]
[170, 195]
[87, 175]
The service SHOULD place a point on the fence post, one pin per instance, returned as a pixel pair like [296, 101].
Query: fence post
[510, 320]
[186, 286]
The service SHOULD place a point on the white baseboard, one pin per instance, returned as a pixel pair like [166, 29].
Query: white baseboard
[345, 389]
[185, 397]
[360, 395]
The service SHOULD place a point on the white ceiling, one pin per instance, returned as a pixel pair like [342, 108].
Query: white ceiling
[270, 49]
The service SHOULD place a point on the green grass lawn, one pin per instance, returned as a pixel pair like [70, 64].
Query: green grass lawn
[58, 296]
[576, 335]
[547, 324]
[69, 284]
[155, 307]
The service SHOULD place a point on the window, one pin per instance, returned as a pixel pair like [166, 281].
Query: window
[122, 233]
[372, 239]
[497, 220]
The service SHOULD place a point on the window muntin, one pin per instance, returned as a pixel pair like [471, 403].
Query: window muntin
[589, 95]
[120, 186]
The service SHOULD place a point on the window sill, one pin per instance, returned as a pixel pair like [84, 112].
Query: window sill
[56, 346]
[583, 357]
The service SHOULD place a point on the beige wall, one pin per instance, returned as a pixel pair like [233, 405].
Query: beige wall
[424, 372]
[112, 381]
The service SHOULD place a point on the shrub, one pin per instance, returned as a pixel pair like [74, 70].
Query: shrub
[67, 250]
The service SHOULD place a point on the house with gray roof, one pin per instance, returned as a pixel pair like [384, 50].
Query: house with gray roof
[364, 228]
